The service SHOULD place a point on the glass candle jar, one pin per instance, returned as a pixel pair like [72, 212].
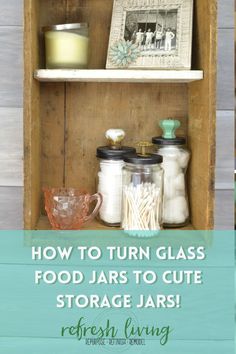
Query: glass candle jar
[66, 46]
[110, 177]
[175, 163]
[142, 193]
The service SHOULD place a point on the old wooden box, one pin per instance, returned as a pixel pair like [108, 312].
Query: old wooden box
[65, 117]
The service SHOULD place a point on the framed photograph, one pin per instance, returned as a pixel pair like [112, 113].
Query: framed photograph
[151, 34]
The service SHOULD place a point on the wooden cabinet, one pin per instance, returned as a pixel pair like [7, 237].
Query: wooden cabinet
[66, 115]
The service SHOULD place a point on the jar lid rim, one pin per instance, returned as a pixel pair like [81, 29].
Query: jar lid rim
[106, 153]
[137, 159]
[159, 140]
[65, 26]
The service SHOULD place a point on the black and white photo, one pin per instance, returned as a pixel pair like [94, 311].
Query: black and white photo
[154, 31]
[151, 34]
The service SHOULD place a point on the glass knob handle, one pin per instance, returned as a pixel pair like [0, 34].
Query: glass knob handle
[169, 127]
[115, 137]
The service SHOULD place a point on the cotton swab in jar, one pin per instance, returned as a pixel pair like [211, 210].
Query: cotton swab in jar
[142, 207]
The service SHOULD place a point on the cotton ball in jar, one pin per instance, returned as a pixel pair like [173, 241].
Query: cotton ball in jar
[179, 183]
[183, 158]
[168, 213]
[171, 167]
[176, 211]
[169, 188]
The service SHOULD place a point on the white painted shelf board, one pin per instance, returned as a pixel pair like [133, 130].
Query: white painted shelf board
[133, 76]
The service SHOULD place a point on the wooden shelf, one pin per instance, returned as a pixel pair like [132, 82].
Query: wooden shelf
[43, 224]
[129, 76]
[63, 126]
[119, 239]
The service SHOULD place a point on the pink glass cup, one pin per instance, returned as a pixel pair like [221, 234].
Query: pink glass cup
[68, 208]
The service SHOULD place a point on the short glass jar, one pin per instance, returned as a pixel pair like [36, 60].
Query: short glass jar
[66, 46]
[175, 163]
[142, 193]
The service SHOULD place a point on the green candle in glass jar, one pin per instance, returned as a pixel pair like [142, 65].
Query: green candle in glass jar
[66, 46]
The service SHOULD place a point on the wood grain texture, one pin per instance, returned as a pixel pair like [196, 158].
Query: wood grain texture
[35, 125]
[225, 123]
[11, 66]
[99, 29]
[225, 150]
[50, 12]
[202, 117]
[224, 179]
[11, 92]
[52, 109]
[52, 134]
[32, 143]
[44, 224]
[224, 210]
[11, 146]
[225, 83]
[11, 208]
[226, 13]
[11, 172]
[91, 105]
[94, 108]
[11, 13]
[11, 133]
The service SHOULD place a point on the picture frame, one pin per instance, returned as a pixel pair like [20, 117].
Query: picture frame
[151, 34]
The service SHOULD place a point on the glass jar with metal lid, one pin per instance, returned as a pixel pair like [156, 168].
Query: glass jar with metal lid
[142, 193]
[110, 176]
[66, 46]
[176, 157]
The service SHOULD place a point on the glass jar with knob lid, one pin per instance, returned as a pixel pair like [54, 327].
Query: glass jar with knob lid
[142, 192]
[111, 159]
[176, 157]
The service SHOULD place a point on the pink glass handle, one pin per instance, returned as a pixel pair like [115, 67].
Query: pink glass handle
[94, 197]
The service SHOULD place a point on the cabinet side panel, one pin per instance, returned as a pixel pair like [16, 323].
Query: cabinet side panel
[52, 109]
[202, 116]
[93, 108]
[31, 117]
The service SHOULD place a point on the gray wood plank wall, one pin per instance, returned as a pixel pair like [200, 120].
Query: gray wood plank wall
[11, 115]
[224, 208]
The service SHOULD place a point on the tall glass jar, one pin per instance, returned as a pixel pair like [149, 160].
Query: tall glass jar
[176, 157]
[142, 193]
[110, 176]
[66, 46]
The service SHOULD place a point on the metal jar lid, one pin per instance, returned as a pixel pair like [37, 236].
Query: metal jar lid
[107, 153]
[159, 140]
[137, 159]
[66, 26]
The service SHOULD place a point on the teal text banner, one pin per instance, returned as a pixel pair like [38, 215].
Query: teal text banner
[106, 291]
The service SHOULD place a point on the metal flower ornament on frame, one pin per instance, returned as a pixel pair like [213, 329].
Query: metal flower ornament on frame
[151, 34]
